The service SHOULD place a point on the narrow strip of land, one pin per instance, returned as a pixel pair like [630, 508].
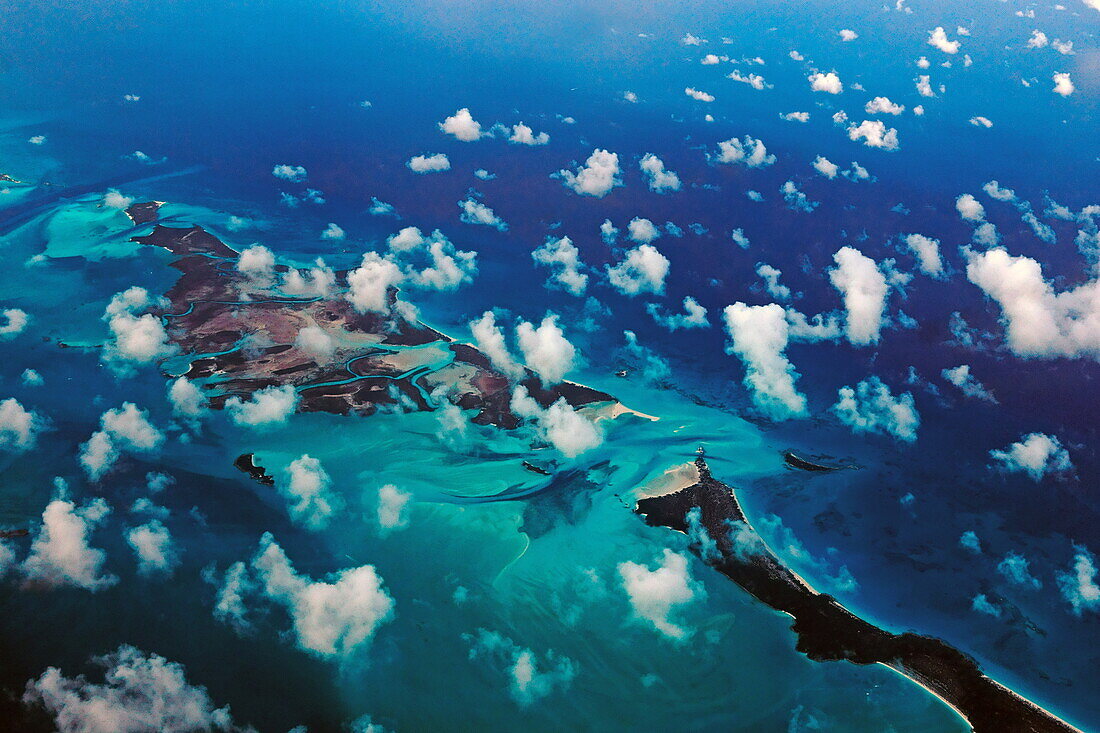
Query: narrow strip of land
[827, 631]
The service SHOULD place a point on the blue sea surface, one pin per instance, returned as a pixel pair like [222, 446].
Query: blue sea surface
[227, 92]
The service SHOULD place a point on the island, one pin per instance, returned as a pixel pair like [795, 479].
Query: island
[795, 461]
[247, 462]
[721, 535]
[240, 336]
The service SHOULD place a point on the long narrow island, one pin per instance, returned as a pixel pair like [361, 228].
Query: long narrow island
[827, 631]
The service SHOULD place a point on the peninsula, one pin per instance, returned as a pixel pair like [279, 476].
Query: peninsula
[826, 630]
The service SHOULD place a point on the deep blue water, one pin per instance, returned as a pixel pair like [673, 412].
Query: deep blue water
[237, 90]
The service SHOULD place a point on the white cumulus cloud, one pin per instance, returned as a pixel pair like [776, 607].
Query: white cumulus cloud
[268, 406]
[1036, 454]
[759, 335]
[658, 178]
[596, 177]
[871, 408]
[656, 595]
[642, 270]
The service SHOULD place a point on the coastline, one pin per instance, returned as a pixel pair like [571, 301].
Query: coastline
[826, 630]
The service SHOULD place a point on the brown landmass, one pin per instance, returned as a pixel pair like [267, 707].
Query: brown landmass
[144, 212]
[242, 337]
[826, 630]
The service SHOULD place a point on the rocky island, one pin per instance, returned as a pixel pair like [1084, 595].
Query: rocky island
[708, 511]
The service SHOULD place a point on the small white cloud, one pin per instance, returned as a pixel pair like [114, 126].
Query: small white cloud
[969, 208]
[1063, 47]
[15, 322]
[1063, 85]
[560, 425]
[698, 95]
[462, 126]
[770, 275]
[187, 399]
[489, 339]
[883, 105]
[642, 270]
[475, 212]
[759, 335]
[795, 116]
[796, 200]
[1035, 454]
[982, 604]
[334, 233]
[1038, 39]
[1039, 322]
[655, 595]
[563, 259]
[938, 38]
[524, 135]
[29, 378]
[60, 553]
[529, 678]
[268, 406]
[292, 173]
[967, 383]
[596, 177]
[927, 252]
[392, 508]
[1015, 567]
[924, 85]
[871, 408]
[846, 34]
[135, 340]
[307, 489]
[694, 315]
[317, 281]
[115, 200]
[642, 231]
[1079, 586]
[19, 427]
[381, 208]
[257, 263]
[829, 83]
[37, 140]
[336, 617]
[435, 163]
[545, 349]
[739, 238]
[139, 692]
[874, 134]
[980, 121]
[152, 544]
[315, 341]
[825, 167]
[756, 81]
[969, 541]
[659, 179]
[748, 151]
[370, 283]
[122, 430]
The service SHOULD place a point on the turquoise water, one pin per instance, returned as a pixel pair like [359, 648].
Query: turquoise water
[540, 571]
[225, 95]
